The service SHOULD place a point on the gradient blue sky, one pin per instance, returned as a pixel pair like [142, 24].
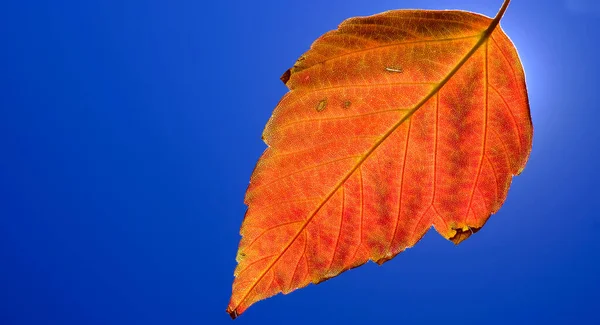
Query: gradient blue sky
[129, 129]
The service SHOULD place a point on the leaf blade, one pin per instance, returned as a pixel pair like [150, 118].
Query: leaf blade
[299, 78]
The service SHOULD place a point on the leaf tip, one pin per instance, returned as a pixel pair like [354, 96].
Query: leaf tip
[233, 313]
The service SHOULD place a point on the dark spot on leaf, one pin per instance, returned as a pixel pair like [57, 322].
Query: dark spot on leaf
[322, 105]
[347, 104]
[286, 76]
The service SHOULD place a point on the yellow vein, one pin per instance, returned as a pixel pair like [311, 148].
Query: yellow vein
[505, 151]
[417, 18]
[371, 85]
[298, 263]
[343, 34]
[485, 118]
[337, 241]
[277, 154]
[302, 170]
[310, 91]
[264, 231]
[514, 75]
[351, 26]
[340, 118]
[441, 40]
[512, 116]
[301, 200]
[496, 192]
[435, 145]
[401, 183]
[238, 273]
[362, 203]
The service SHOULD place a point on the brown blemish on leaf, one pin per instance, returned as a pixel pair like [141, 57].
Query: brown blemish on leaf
[322, 105]
[461, 234]
[347, 104]
[285, 77]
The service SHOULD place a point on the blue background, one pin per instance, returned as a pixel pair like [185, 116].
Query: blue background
[129, 130]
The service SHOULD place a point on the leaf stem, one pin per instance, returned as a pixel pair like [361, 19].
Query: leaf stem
[499, 15]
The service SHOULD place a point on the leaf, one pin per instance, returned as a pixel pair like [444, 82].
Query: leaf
[393, 123]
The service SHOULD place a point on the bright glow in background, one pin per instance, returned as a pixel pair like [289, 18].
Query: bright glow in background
[129, 130]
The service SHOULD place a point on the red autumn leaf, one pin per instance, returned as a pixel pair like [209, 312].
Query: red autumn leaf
[393, 123]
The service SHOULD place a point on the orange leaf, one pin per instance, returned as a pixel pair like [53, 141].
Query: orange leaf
[393, 123]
